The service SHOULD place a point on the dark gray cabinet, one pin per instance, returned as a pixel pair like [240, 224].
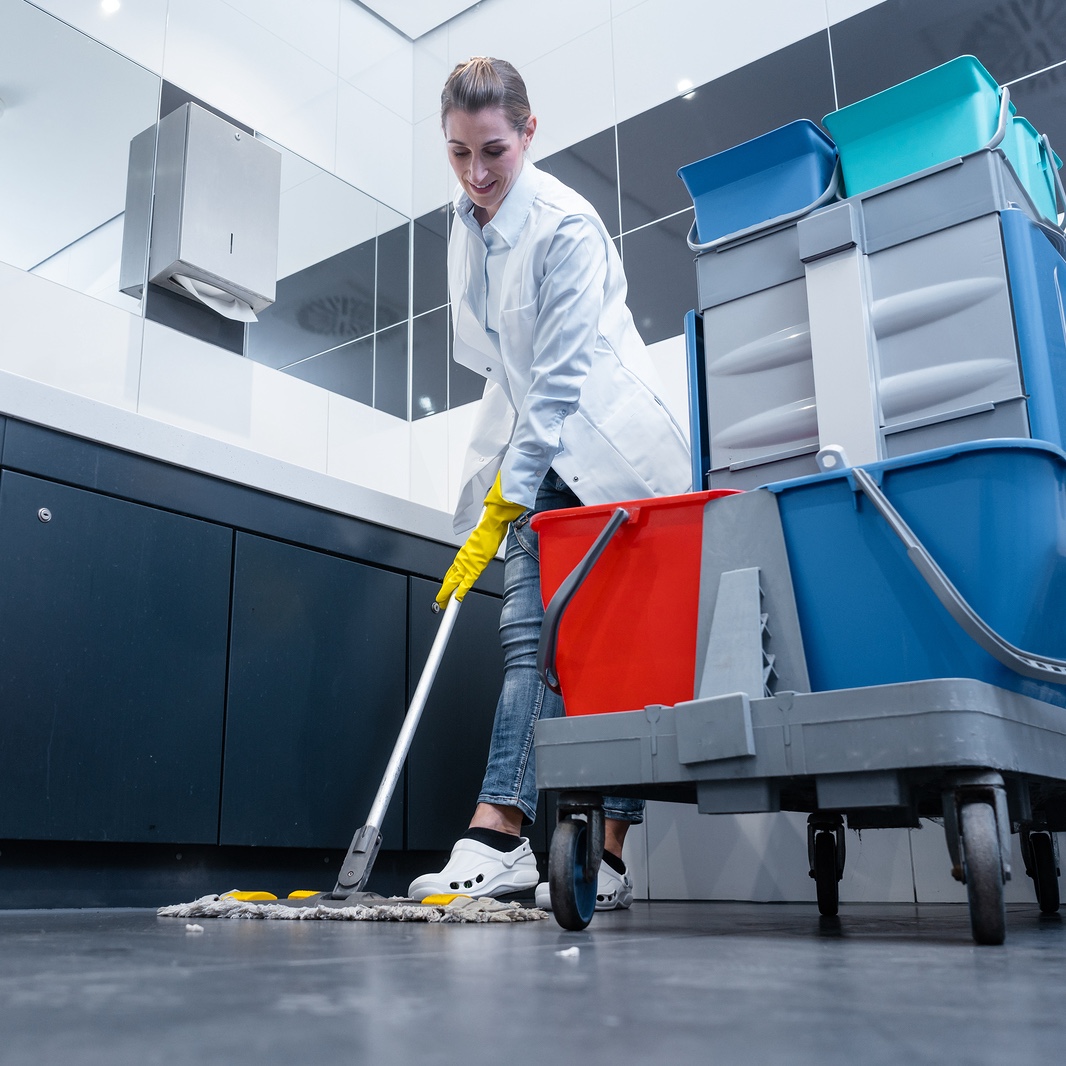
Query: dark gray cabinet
[184, 660]
[113, 629]
[316, 695]
[447, 760]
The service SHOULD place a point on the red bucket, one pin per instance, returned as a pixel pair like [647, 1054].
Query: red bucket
[628, 637]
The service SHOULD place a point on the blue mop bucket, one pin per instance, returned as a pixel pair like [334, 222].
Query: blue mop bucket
[992, 514]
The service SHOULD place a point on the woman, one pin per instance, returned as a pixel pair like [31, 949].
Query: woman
[569, 417]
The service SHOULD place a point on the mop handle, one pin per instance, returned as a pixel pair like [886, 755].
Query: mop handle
[414, 713]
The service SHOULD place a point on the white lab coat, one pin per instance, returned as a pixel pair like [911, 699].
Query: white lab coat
[569, 381]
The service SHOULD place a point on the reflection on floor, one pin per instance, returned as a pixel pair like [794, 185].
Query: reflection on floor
[723, 983]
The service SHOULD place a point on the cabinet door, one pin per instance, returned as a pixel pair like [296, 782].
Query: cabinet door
[316, 696]
[113, 621]
[447, 760]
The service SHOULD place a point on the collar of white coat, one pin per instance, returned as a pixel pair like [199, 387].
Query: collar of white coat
[511, 215]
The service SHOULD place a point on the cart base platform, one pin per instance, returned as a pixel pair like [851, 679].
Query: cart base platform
[986, 759]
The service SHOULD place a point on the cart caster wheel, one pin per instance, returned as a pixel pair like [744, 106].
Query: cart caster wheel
[984, 872]
[1044, 872]
[573, 894]
[826, 875]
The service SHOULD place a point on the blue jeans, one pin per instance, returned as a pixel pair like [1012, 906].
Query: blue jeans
[510, 777]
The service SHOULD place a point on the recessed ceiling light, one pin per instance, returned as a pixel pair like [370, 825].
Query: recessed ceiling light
[109, 7]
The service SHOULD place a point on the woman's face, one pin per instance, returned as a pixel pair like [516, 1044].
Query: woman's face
[486, 153]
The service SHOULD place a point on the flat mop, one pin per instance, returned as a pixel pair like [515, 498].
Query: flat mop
[349, 901]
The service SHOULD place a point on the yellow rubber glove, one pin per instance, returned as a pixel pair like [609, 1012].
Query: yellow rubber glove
[481, 546]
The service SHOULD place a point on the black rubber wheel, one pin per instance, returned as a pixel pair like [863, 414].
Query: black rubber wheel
[573, 896]
[825, 873]
[984, 872]
[1045, 873]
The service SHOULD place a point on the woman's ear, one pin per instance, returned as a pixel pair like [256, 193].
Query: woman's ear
[531, 128]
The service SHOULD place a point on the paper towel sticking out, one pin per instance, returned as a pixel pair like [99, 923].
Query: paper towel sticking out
[217, 299]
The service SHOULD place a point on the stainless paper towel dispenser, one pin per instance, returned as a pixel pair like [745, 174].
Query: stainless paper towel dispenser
[214, 215]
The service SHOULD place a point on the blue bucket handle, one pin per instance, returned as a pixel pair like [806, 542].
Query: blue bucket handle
[829, 194]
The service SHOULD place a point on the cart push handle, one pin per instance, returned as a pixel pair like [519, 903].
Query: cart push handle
[1026, 663]
[553, 613]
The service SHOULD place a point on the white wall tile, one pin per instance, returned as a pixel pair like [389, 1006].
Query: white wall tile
[877, 867]
[136, 29]
[68, 340]
[91, 265]
[932, 866]
[220, 55]
[670, 359]
[374, 148]
[570, 91]
[194, 385]
[460, 428]
[761, 857]
[310, 26]
[429, 462]
[433, 180]
[71, 108]
[368, 447]
[376, 59]
[437, 447]
[660, 43]
[431, 69]
[197, 386]
[508, 29]
[932, 870]
[635, 856]
[839, 10]
[290, 419]
[321, 216]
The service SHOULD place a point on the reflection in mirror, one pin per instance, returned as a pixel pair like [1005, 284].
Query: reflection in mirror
[71, 108]
[339, 319]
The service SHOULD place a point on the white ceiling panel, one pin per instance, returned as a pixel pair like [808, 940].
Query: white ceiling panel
[413, 18]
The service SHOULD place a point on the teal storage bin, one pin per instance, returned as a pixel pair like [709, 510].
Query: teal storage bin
[777, 176]
[949, 111]
[1035, 163]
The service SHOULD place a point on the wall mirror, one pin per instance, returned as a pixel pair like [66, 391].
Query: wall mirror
[70, 108]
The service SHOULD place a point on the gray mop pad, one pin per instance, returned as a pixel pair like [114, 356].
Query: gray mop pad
[461, 909]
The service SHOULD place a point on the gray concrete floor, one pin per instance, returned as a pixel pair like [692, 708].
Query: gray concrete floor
[731, 983]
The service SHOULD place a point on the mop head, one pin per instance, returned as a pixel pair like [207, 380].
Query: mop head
[397, 909]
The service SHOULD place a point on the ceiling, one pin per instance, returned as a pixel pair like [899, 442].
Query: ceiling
[413, 18]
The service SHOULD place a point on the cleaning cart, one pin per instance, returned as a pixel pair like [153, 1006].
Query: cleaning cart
[874, 631]
[871, 646]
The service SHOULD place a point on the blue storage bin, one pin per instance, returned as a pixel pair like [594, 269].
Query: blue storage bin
[785, 172]
[1037, 272]
[991, 513]
[951, 110]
